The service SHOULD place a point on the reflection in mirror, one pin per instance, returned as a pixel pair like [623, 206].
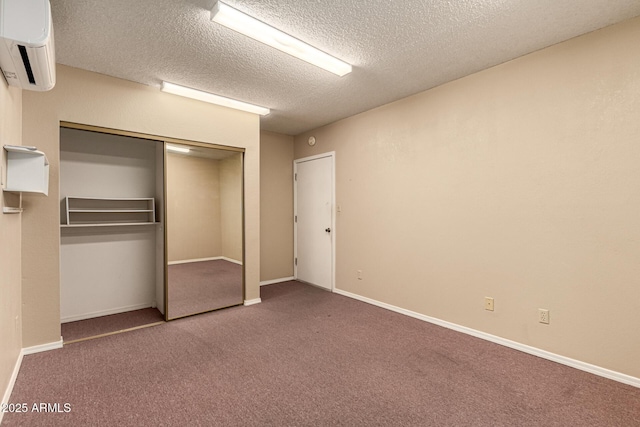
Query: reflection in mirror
[204, 229]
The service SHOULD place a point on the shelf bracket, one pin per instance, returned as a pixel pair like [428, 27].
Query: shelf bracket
[11, 198]
[10, 210]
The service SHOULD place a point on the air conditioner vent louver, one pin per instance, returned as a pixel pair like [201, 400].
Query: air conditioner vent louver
[27, 64]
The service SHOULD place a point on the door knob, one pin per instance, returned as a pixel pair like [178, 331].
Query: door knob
[328, 230]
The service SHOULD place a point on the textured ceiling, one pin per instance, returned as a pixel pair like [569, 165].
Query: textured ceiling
[397, 48]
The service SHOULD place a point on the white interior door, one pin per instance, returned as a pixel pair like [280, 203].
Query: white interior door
[314, 225]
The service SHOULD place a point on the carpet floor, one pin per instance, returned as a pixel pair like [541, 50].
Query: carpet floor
[307, 357]
[88, 328]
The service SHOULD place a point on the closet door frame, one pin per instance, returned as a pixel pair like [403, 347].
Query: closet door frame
[164, 140]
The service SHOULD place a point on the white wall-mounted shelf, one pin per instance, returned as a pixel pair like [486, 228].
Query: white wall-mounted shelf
[27, 170]
[119, 224]
[108, 212]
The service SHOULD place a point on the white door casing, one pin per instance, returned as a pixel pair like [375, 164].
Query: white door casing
[314, 225]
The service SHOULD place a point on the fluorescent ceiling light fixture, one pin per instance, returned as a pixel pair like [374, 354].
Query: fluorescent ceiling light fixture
[177, 149]
[213, 99]
[234, 19]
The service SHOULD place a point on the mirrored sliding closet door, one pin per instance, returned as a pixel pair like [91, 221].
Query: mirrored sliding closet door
[204, 232]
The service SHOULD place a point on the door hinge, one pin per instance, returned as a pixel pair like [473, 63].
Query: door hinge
[296, 218]
[296, 261]
[295, 176]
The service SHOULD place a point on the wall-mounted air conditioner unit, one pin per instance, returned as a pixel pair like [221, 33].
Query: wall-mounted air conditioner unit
[27, 56]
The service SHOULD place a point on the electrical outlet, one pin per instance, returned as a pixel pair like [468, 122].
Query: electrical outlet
[359, 274]
[543, 315]
[488, 303]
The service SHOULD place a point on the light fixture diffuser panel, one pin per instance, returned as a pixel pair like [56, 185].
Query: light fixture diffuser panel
[175, 149]
[244, 24]
[213, 99]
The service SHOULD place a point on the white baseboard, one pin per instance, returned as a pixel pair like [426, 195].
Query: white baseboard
[587, 367]
[93, 314]
[12, 381]
[248, 302]
[274, 281]
[215, 258]
[42, 347]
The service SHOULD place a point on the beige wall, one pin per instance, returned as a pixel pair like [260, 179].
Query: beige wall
[10, 298]
[521, 183]
[276, 204]
[193, 208]
[231, 207]
[90, 98]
